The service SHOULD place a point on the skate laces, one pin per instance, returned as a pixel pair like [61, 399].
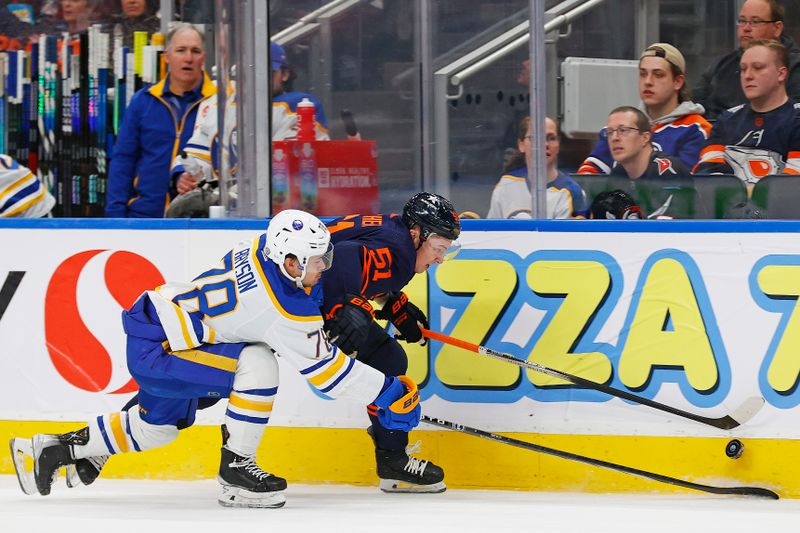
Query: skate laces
[414, 465]
[251, 467]
[98, 461]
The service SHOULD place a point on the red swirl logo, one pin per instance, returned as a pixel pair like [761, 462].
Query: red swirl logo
[86, 295]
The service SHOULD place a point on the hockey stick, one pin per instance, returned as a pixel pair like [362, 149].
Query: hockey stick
[757, 492]
[742, 414]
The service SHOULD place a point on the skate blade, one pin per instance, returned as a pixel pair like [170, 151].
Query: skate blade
[395, 485]
[22, 454]
[72, 477]
[237, 497]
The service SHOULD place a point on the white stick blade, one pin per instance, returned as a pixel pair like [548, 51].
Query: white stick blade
[748, 409]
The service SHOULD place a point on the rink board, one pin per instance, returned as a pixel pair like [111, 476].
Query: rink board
[693, 314]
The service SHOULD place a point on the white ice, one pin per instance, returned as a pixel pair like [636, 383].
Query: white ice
[117, 506]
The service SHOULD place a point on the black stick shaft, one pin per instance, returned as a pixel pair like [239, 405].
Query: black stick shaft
[724, 422]
[757, 492]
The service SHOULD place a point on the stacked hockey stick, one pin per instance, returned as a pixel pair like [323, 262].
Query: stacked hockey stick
[61, 102]
[742, 414]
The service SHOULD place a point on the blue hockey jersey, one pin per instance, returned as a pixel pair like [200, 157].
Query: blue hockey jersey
[374, 254]
[682, 134]
[752, 145]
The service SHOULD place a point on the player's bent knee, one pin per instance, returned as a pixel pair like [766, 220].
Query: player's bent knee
[257, 369]
[149, 436]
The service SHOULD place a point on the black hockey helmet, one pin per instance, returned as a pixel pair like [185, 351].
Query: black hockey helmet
[616, 205]
[433, 214]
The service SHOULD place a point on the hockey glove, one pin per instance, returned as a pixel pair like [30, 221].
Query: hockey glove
[398, 405]
[404, 315]
[347, 325]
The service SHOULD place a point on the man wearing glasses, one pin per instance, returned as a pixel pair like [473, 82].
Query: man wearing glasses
[719, 88]
[655, 179]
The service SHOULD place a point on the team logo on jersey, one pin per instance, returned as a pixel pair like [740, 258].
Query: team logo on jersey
[664, 165]
[759, 168]
[82, 323]
[297, 225]
[759, 122]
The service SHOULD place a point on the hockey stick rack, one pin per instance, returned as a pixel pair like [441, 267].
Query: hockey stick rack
[756, 492]
[742, 414]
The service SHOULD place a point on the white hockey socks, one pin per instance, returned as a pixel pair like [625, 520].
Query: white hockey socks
[250, 405]
[123, 432]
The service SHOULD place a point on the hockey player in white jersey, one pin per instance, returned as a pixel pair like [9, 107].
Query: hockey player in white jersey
[21, 193]
[218, 336]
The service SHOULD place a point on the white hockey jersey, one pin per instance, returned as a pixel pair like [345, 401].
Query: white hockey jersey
[21, 192]
[511, 198]
[202, 145]
[247, 299]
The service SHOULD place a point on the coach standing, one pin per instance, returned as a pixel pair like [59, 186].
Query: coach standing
[157, 124]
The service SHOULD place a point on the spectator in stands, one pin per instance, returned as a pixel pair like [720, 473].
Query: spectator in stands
[136, 15]
[719, 88]
[511, 197]
[285, 100]
[761, 137]
[21, 193]
[202, 147]
[678, 126]
[77, 14]
[157, 125]
[629, 138]
[73, 16]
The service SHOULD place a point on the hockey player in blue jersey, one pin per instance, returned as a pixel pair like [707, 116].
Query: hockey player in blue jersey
[376, 256]
[219, 336]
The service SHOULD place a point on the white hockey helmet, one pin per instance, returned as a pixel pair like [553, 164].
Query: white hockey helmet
[299, 234]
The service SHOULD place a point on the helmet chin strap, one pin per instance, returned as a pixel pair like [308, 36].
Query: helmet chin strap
[298, 281]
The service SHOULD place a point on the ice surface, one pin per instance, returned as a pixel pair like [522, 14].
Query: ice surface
[141, 506]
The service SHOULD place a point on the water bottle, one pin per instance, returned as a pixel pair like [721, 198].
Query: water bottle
[280, 180]
[305, 120]
[308, 177]
[190, 165]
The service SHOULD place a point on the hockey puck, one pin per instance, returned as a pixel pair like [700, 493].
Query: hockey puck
[734, 449]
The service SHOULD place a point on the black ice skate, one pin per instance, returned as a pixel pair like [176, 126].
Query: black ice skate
[86, 470]
[245, 484]
[50, 453]
[401, 472]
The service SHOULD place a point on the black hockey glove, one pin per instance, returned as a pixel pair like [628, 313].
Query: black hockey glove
[347, 325]
[404, 315]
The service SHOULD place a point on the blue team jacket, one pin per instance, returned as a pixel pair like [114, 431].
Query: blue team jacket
[149, 138]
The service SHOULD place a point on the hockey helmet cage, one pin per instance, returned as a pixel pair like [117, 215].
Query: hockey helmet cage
[299, 234]
[433, 214]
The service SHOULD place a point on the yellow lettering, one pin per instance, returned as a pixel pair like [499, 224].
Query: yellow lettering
[784, 281]
[491, 282]
[581, 285]
[668, 330]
